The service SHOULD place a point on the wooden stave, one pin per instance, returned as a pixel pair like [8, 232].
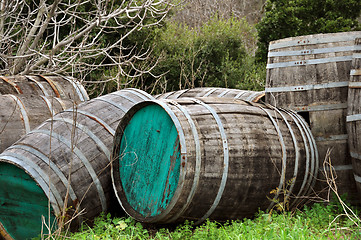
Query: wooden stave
[88, 115]
[324, 102]
[56, 86]
[353, 125]
[246, 95]
[22, 113]
[168, 215]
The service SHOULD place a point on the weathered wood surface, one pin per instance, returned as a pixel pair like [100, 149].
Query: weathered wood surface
[54, 86]
[19, 114]
[226, 158]
[68, 156]
[252, 96]
[353, 115]
[310, 74]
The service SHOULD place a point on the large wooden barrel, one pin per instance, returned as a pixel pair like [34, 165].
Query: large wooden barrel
[310, 75]
[55, 86]
[252, 96]
[354, 115]
[216, 158]
[19, 114]
[64, 161]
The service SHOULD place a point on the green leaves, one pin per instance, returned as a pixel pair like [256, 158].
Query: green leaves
[285, 18]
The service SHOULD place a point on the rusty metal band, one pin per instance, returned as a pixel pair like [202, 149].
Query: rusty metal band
[147, 95]
[30, 167]
[86, 130]
[355, 72]
[83, 95]
[47, 161]
[284, 153]
[197, 169]
[337, 168]
[225, 160]
[354, 84]
[340, 137]
[123, 96]
[17, 88]
[4, 235]
[224, 93]
[23, 112]
[314, 40]
[31, 78]
[308, 62]
[314, 51]
[84, 160]
[95, 118]
[117, 105]
[210, 92]
[314, 154]
[52, 85]
[297, 149]
[320, 107]
[254, 97]
[307, 87]
[357, 178]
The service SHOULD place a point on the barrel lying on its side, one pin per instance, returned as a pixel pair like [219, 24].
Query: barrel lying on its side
[65, 161]
[252, 96]
[354, 115]
[310, 75]
[21, 113]
[217, 158]
[54, 86]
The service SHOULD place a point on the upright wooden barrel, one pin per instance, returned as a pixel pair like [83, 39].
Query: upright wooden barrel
[354, 115]
[65, 161]
[55, 86]
[19, 114]
[310, 75]
[217, 158]
[252, 96]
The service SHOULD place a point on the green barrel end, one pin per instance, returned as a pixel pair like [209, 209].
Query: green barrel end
[22, 203]
[149, 160]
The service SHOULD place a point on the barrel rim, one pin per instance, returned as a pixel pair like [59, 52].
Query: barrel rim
[114, 163]
[327, 37]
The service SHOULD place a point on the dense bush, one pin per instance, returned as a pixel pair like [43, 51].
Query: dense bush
[286, 18]
[218, 54]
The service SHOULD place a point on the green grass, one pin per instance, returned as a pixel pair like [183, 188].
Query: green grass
[317, 222]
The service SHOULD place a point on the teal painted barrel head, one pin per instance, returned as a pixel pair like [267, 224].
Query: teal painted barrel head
[22, 203]
[149, 160]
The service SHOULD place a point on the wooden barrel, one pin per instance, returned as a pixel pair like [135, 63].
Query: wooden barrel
[65, 161]
[252, 96]
[19, 114]
[354, 115]
[216, 158]
[55, 86]
[310, 75]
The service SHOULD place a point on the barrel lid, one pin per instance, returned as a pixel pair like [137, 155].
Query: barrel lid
[148, 161]
[22, 204]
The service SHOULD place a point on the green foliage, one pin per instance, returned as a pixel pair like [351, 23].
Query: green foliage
[289, 18]
[218, 54]
[317, 222]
